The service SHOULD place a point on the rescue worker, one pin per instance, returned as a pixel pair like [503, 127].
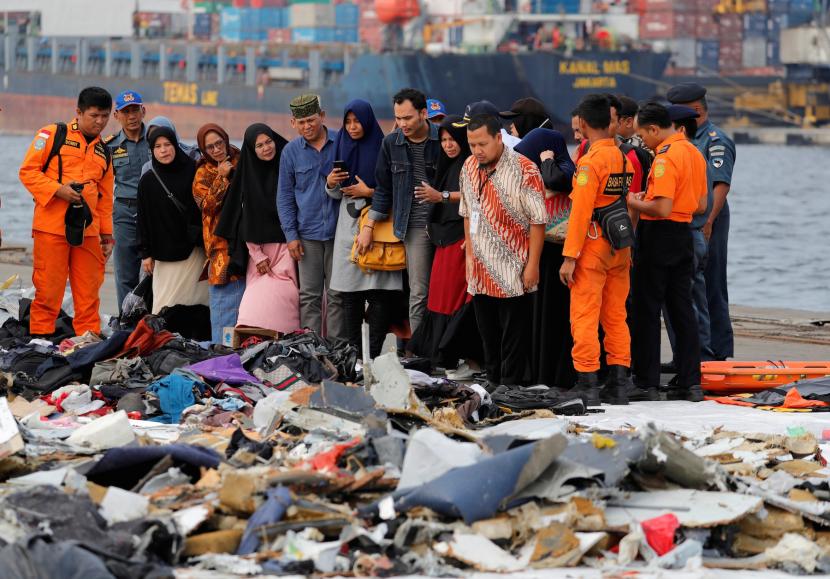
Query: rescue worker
[81, 161]
[598, 275]
[129, 152]
[664, 260]
[712, 226]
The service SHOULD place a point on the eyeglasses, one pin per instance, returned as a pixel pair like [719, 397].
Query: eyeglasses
[217, 146]
[264, 144]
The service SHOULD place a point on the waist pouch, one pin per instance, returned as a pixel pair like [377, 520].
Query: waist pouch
[616, 224]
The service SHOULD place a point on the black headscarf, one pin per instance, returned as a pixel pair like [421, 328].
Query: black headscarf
[250, 210]
[446, 226]
[162, 235]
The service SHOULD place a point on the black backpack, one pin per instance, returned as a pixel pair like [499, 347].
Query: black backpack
[645, 161]
[55, 151]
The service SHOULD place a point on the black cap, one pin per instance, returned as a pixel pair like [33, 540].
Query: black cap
[687, 92]
[682, 112]
[77, 219]
[475, 109]
[526, 106]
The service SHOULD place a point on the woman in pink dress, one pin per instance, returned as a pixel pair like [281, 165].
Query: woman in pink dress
[256, 242]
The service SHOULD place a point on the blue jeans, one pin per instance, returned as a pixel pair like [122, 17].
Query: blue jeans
[224, 307]
[701, 305]
[717, 294]
[125, 253]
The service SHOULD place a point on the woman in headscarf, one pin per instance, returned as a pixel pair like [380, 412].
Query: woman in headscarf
[256, 242]
[213, 178]
[170, 225]
[449, 332]
[551, 338]
[358, 144]
[527, 114]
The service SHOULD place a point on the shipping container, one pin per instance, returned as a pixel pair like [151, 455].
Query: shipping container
[775, 24]
[312, 15]
[730, 56]
[705, 27]
[755, 25]
[648, 6]
[773, 53]
[708, 53]
[730, 27]
[754, 52]
[268, 3]
[657, 25]
[203, 26]
[684, 52]
[312, 35]
[778, 7]
[346, 15]
[554, 6]
[347, 35]
[279, 35]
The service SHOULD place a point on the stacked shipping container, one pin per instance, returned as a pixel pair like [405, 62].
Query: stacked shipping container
[705, 37]
[298, 21]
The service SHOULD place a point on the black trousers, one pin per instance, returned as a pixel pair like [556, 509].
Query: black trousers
[505, 326]
[663, 270]
[378, 316]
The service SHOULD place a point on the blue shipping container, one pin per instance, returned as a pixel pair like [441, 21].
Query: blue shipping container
[273, 18]
[347, 15]
[231, 17]
[775, 24]
[708, 54]
[755, 25]
[554, 6]
[313, 35]
[778, 6]
[773, 53]
[347, 35]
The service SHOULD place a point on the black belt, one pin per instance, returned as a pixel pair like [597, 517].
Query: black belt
[129, 201]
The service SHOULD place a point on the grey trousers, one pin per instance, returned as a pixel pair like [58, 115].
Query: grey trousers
[419, 252]
[125, 253]
[315, 275]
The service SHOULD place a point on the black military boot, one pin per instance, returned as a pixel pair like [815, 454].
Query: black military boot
[587, 388]
[689, 393]
[616, 386]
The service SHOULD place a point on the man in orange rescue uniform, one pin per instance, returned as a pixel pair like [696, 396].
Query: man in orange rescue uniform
[597, 274]
[72, 230]
[664, 261]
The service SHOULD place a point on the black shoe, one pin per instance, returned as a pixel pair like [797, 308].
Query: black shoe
[638, 393]
[616, 386]
[668, 368]
[690, 393]
[587, 388]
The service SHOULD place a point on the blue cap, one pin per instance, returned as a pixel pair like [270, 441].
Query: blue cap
[685, 92]
[126, 99]
[681, 112]
[435, 108]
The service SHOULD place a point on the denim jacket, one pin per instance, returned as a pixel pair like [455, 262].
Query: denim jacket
[394, 173]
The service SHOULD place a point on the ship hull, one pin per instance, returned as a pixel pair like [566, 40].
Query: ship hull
[30, 100]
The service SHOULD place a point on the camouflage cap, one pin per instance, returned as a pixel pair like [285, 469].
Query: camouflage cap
[305, 106]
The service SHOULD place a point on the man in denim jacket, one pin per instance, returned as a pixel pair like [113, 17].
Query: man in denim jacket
[406, 162]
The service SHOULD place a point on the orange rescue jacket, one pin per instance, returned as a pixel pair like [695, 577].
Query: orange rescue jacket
[82, 162]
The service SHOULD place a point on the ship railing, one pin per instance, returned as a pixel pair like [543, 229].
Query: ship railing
[171, 59]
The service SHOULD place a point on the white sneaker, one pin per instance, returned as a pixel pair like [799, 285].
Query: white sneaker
[463, 372]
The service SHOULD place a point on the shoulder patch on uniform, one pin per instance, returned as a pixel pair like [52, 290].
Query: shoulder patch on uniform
[71, 143]
[40, 142]
[582, 178]
[99, 150]
[659, 170]
[74, 126]
[717, 148]
[713, 133]
[44, 134]
[108, 139]
[717, 163]
[663, 149]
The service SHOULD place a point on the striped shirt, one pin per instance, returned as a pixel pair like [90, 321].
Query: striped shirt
[420, 212]
[501, 206]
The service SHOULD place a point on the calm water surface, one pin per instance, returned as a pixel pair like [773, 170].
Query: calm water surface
[779, 246]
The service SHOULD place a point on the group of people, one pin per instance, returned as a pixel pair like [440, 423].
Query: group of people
[518, 256]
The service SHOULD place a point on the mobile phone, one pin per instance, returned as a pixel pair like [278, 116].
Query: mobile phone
[341, 166]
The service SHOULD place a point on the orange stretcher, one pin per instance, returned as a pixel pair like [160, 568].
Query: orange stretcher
[736, 377]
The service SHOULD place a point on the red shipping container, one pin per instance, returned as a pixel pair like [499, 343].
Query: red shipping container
[661, 25]
[730, 27]
[705, 26]
[730, 56]
[646, 6]
[269, 3]
[240, 3]
[279, 35]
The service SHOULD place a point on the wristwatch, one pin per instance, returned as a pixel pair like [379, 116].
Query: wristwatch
[445, 197]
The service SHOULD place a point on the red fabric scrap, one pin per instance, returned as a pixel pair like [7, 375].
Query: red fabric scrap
[327, 461]
[660, 531]
[794, 399]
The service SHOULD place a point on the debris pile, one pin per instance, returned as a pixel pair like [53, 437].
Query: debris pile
[143, 453]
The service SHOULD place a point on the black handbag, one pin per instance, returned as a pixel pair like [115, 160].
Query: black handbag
[614, 219]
